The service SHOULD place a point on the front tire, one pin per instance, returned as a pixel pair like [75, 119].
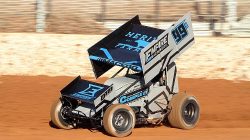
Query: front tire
[56, 115]
[119, 120]
[185, 111]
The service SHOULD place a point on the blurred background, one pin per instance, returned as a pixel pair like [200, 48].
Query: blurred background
[55, 34]
[211, 17]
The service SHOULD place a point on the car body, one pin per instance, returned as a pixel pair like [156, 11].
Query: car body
[147, 93]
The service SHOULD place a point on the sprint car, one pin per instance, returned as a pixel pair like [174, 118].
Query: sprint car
[146, 93]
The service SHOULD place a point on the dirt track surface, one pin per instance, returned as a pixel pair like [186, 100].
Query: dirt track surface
[25, 104]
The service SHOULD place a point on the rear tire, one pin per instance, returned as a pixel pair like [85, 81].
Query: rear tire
[57, 117]
[185, 111]
[119, 120]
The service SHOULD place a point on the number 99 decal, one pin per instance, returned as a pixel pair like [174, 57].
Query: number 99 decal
[180, 32]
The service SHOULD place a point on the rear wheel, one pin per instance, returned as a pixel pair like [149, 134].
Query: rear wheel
[185, 111]
[119, 120]
[57, 114]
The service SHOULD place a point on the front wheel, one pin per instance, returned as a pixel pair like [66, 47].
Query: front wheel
[185, 111]
[57, 114]
[119, 120]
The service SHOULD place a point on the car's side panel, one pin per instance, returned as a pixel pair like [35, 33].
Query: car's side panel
[161, 52]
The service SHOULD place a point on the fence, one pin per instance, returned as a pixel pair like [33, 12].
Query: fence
[210, 17]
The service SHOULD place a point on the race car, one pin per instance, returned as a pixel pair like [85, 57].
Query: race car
[146, 93]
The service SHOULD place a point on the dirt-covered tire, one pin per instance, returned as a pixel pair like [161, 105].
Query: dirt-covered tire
[56, 116]
[119, 120]
[185, 111]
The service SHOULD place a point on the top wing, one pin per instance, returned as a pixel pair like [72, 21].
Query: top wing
[142, 48]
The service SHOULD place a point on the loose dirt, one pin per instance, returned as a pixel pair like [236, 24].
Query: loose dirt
[25, 105]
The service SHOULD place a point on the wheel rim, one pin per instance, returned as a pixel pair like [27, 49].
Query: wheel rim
[63, 115]
[121, 120]
[190, 112]
[63, 112]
